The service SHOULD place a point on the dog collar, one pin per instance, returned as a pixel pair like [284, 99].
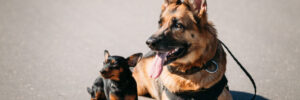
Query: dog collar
[210, 67]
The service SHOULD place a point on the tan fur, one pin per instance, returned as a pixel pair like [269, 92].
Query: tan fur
[130, 97]
[113, 97]
[99, 95]
[225, 95]
[204, 45]
[140, 74]
[164, 96]
[116, 73]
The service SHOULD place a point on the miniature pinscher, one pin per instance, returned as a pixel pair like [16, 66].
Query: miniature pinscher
[116, 81]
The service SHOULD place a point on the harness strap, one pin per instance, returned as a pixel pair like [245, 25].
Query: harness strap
[242, 67]
[211, 93]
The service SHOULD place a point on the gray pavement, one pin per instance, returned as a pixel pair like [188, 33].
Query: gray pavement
[53, 49]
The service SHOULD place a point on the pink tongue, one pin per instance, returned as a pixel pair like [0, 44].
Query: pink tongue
[158, 65]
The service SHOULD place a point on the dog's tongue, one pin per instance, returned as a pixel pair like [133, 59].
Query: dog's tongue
[158, 64]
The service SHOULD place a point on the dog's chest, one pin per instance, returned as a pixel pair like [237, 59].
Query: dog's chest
[118, 90]
[180, 83]
[211, 93]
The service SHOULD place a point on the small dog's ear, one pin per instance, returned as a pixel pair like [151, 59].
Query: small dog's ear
[134, 59]
[106, 55]
[89, 90]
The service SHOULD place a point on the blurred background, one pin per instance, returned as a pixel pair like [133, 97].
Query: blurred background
[53, 49]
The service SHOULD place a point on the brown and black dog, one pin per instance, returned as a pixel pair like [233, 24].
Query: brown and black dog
[187, 61]
[116, 81]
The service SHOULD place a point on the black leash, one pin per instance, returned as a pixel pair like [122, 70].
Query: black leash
[242, 67]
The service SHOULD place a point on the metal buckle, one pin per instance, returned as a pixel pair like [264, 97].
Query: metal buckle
[213, 71]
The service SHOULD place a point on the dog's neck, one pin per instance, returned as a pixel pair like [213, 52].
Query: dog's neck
[201, 79]
[211, 93]
[124, 78]
[189, 69]
[125, 74]
[211, 66]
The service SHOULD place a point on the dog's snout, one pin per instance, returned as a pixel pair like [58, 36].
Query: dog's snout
[103, 72]
[150, 41]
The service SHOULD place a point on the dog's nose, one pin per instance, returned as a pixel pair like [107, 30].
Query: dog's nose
[102, 72]
[151, 42]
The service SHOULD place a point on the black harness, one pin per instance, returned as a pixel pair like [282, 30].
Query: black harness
[211, 93]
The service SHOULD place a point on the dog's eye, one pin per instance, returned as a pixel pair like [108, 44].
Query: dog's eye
[113, 63]
[160, 22]
[178, 25]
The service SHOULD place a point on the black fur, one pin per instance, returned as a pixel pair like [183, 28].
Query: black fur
[124, 85]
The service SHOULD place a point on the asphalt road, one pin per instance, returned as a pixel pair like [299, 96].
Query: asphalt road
[53, 49]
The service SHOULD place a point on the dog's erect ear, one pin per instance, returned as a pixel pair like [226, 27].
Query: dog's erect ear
[106, 55]
[89, 90]
[172, 1]
[168, 2]
[134, 59]
[200, 7]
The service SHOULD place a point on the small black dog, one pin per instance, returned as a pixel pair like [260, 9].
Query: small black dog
[116, 82]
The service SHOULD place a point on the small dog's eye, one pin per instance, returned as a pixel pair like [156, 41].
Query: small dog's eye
[113, 63]
[160, 22]
[178, 25]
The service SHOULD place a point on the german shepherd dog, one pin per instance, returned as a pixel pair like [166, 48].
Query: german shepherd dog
[187, 61]
[116, 81]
